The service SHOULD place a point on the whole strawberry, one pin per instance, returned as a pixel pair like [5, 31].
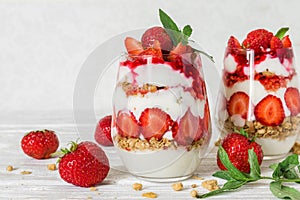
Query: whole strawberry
[84, 164]
[157, 34]
[237, 145]
[40, 144]
[103, 131]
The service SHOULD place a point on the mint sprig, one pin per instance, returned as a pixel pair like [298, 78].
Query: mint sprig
[176, 34]
[284, 171]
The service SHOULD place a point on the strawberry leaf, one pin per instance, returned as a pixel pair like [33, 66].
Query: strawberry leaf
[283, 192]
[281, 32]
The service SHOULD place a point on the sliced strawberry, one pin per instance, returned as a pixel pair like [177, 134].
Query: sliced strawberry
[238, 104]
[275, 43]
[233, 43]
[286, 41]
[127, 125]
[133, 46]
[154, 123]
[179, 50]
[188, 129]
[292, 100]
[269, 111]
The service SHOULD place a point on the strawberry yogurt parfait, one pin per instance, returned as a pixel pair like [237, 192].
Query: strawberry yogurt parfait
[161, 122]
[260, 91]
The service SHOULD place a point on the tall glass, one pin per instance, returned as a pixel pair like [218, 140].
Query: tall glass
[260, 93]
[161, 122]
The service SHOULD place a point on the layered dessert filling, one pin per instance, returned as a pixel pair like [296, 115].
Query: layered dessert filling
[160, 105]
[261, 92]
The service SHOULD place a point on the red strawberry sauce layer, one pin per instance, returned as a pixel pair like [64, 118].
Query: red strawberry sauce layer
[180, 65]
[270, 80]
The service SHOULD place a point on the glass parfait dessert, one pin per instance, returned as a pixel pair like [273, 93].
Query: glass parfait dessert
[260, 91]
[161, 122]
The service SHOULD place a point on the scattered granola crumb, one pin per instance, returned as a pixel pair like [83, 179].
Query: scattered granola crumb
[52, 167]
[151, 195]
[194, 193]
[177, 186]
[9, 168]
[194, 185]
[210, 185]
[26, 172]
[137, 186]
[93, 189]
[197, 177]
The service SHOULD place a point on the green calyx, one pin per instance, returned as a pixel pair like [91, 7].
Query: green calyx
[64, 151]
[178, 36]
[284, 171]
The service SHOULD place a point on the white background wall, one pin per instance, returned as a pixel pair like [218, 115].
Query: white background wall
[43, 43]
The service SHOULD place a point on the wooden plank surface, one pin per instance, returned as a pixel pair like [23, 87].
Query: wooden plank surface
[46, 184]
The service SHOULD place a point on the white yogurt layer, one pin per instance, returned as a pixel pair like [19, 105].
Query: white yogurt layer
[273, 147]
[175, 100]
[162, 164]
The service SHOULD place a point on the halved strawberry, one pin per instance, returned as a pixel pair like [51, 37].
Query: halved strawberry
[157, 33]
[286, 41]
[238, 104]
[233, 43]
[275, 43]
[127, 125]
[133, 46]
[188, 129]
[292, 100]
[269, 111]
[154, 123]
[179, 50]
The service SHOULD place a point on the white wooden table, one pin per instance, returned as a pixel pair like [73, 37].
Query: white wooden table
[45, 184]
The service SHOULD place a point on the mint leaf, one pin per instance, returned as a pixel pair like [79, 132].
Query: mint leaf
[171, 27]
[232, 170]
[187, 30]
[284, 192]
[281, 32]
[167, 22]
[227, 187]
[286, 166]
[254, 165]
[274, 166]
[223, 175]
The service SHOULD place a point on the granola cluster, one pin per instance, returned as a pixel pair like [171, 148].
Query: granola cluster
[132, 89]
[137, 144]
[290, 126]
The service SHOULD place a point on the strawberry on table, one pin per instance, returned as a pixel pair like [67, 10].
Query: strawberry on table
[40, 144]
[269, 111]
[238, 104]
[154, 123]
[236, 146]
[127, 125]
[103, 131]
[84, 164]
[292, 100]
